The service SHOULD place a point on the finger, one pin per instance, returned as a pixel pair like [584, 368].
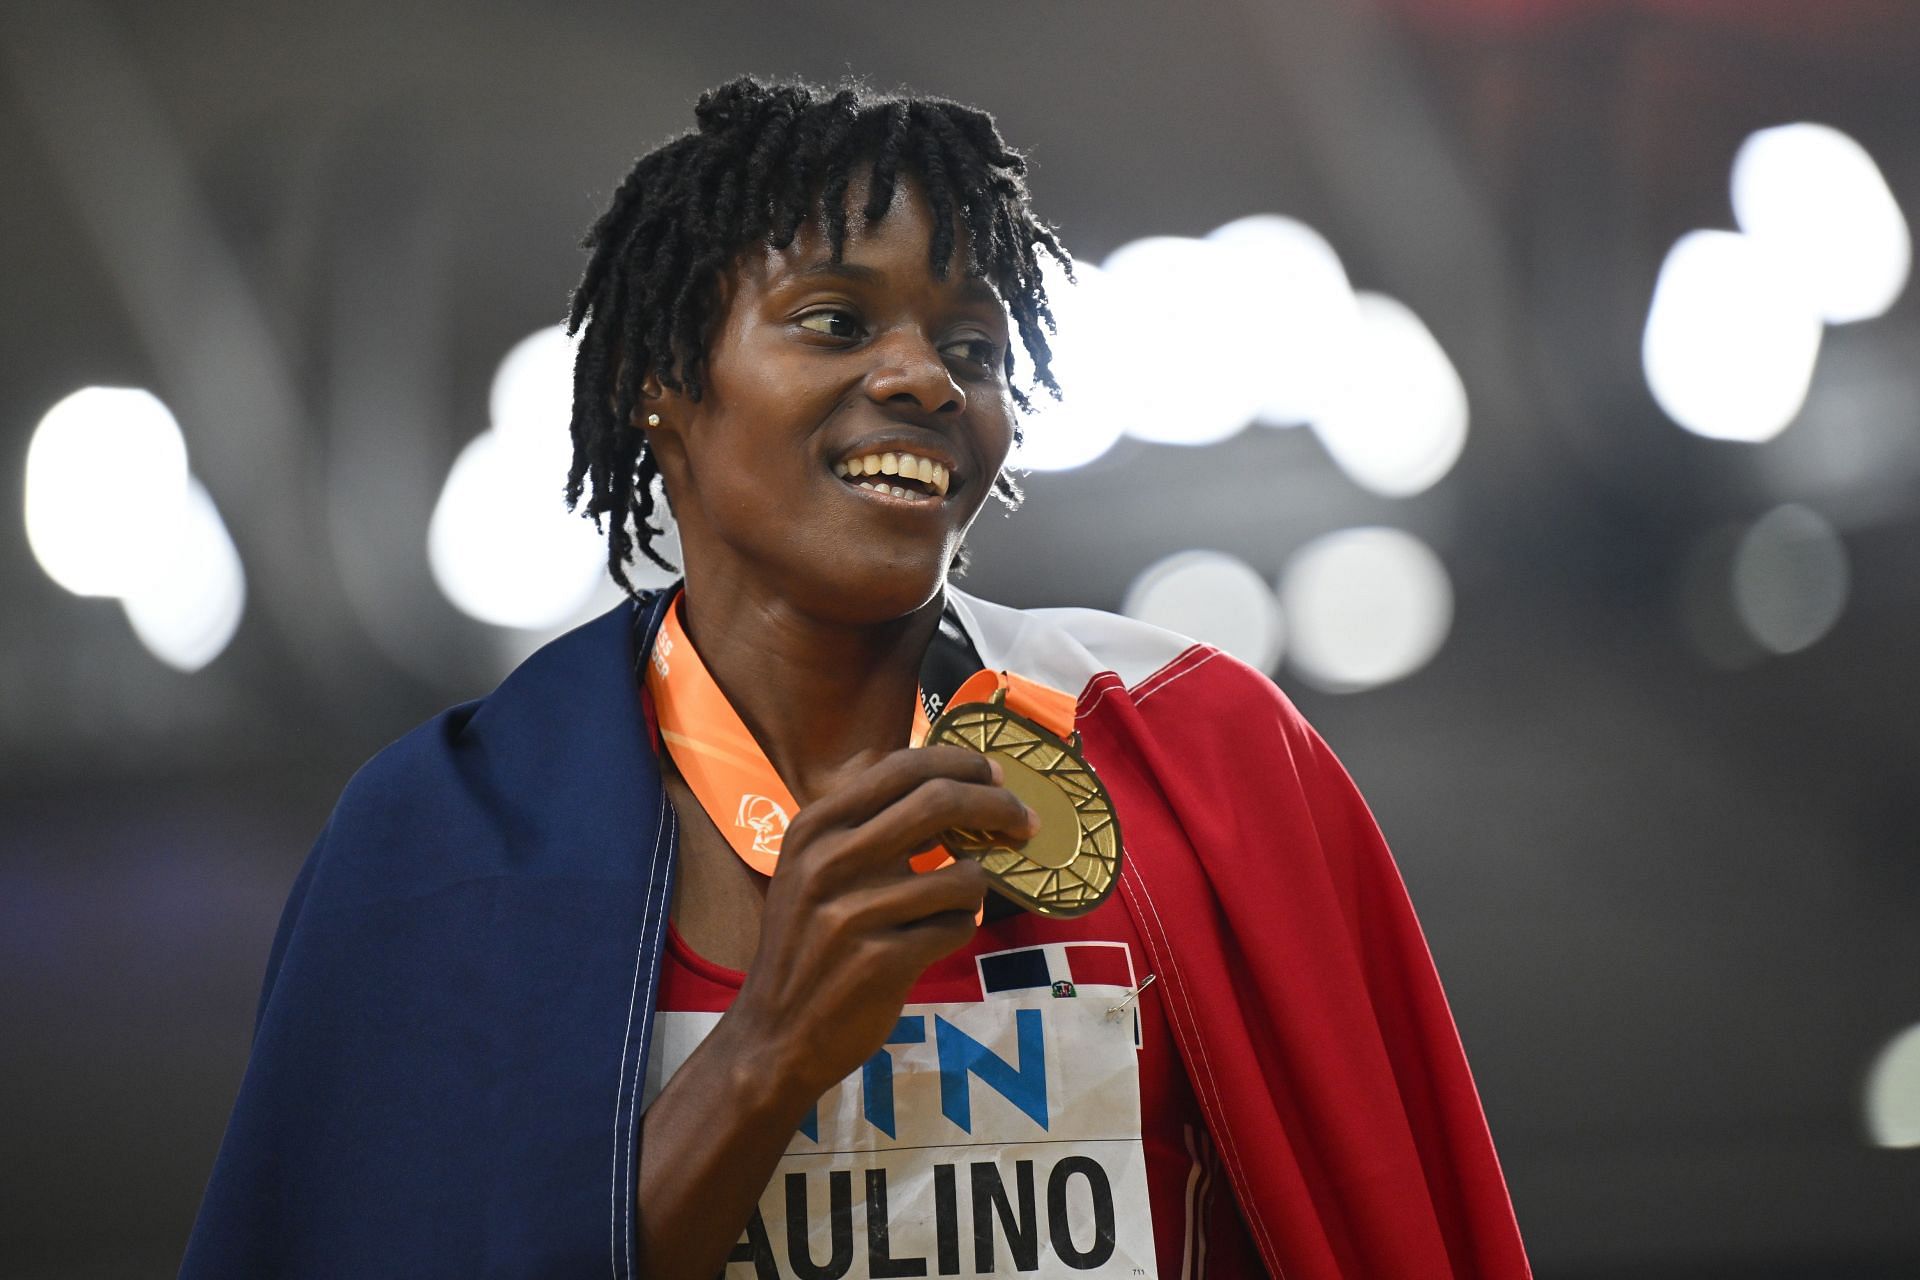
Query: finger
[880, 909]
[918, 819]
[885, 781]
[937, 936]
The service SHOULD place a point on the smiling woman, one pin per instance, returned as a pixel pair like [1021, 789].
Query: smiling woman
[683, 952]
[816, 364]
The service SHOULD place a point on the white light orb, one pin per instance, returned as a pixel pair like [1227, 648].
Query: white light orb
[532, 391]
[1366, 607]
[1088, 418]
[1790, 578]
[1814, 199]
[1215, 598]
[191, 590]
[501, 543]
[1400, 422]
[119, 441]
[1893, 1092]
[1730, 344]
[1188, 370]
[1294, 303]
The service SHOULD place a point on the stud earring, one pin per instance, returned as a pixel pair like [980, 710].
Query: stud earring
[653, 419]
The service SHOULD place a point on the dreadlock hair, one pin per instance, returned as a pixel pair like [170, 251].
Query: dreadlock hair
[765, 159]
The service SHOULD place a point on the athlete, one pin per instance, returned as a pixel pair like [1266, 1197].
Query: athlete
[547, 999]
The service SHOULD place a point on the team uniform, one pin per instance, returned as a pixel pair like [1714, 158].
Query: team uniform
[475, 992]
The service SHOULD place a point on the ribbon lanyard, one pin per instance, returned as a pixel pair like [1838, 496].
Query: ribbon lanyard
[729, 773]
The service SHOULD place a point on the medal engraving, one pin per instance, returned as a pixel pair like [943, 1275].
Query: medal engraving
[1072, 864]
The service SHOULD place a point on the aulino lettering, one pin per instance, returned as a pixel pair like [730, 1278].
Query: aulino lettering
[986, 1219]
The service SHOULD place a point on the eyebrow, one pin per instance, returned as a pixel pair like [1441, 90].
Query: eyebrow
[975, 287]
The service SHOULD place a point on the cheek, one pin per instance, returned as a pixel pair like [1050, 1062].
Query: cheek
[996, 433]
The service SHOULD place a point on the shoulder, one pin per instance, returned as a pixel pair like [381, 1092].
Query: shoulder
[1092, 654]
[1067, 648]
[552, 765]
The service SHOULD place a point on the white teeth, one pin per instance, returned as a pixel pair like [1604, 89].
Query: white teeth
[893, 489]
[908, 465]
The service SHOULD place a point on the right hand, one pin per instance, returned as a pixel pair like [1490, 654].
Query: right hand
[848, 926]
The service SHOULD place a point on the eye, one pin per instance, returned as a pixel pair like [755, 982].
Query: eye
[833, 323]
[980, 351]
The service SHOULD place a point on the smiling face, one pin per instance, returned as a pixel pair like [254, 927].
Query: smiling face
[817, 374]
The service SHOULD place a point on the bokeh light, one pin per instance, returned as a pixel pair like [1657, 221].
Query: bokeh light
[191, 589]
[502, 545]
[1190, 366]
[1816, 202]
[1215, 598]
[1790, 578]
[532, 392]
[1893, 1092]
[117, 440]
[1297, 310]
[1088, 418]
[1730, 343]
[1399, 422]
[1365, 607]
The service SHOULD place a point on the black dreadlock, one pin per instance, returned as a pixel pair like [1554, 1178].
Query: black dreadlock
[765, 159]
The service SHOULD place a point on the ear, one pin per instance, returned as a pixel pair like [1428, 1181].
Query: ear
[647, 414]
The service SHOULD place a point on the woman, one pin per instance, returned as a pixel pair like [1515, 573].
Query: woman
[639, 963]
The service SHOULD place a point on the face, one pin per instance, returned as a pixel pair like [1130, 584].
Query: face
[814, 369]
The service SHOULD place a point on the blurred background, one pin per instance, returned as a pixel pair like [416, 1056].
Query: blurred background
[1531, 386]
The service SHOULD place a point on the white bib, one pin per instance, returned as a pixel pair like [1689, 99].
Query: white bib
[992, 1138]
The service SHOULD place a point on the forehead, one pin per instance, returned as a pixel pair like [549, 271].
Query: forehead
[895, 250]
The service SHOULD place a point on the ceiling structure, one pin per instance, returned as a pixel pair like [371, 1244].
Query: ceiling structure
[1674, 902]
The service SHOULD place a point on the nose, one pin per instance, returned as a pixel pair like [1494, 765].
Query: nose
[909, 371]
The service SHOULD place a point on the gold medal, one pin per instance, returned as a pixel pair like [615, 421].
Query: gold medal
[1072, 864]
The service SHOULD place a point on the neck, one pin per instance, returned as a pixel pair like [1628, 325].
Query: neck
[823, 699]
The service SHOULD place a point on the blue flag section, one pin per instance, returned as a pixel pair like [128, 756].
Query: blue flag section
[1015, 970]
[445, 1073]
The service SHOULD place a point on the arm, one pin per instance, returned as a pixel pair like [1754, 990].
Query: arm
[848, 928]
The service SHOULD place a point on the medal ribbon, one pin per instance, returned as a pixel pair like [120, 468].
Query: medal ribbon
[729, 773]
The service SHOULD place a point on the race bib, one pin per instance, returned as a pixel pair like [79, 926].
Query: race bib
[992, 1138]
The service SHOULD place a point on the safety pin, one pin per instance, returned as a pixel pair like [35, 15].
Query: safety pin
[1118, 1009]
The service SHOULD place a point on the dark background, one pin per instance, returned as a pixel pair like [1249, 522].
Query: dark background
[1674, 900]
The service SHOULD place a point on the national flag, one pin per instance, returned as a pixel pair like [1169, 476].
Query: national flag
[1096, 970]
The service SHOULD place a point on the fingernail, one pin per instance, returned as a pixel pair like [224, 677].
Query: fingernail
[995, 772]
[1033, 819]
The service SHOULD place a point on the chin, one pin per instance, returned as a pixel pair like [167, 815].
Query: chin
[868, 592]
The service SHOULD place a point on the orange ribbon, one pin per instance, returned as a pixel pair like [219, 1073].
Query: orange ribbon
[729, 773]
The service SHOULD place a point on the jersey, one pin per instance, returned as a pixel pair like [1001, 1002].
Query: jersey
[1029, 1116]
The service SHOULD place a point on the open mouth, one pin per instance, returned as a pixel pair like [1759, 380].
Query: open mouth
[899, 475]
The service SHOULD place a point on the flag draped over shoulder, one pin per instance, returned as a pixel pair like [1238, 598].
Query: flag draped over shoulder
[1299, 985]
[444, 1078]
[445, 1068]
